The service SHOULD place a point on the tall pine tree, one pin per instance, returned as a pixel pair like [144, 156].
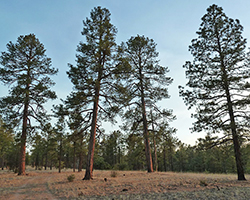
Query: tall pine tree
[95, 78]
[25, 68]
[218, 76]
[146, 85]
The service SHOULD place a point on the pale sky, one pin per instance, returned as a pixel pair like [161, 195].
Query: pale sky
[170, 23]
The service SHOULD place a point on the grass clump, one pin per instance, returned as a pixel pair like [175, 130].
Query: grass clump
[203, 183]
[71, 178]
[113, 174]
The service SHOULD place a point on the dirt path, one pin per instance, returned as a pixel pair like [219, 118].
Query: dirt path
[30, 187]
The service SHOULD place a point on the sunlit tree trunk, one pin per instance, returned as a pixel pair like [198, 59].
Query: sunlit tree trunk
[90, 158]
[23, 142]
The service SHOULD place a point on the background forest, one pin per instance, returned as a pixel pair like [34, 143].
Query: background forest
[127, 81]
[120, 152]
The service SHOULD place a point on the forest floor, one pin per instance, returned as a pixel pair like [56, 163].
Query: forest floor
[126, 185]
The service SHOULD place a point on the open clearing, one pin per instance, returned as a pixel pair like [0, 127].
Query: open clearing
[126, 185]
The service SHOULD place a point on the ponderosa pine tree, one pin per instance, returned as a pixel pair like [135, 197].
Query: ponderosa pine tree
[218, 76]
[95, 77]
[146, 84]
[26, 68]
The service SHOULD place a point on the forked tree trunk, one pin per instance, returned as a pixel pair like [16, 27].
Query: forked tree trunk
[90, 158]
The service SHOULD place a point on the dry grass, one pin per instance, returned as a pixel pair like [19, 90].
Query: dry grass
[126, 185]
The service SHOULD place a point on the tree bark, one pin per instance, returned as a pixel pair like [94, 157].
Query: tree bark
[23, 141]
[46, 160]
[237, 151]
[155, 151]
[2, 161]
[145, 128]
[90, 158]
[164, 159]
[60, 156]
[74, 157]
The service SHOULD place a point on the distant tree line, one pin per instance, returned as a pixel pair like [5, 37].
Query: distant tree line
[126, 80]
[119, 152]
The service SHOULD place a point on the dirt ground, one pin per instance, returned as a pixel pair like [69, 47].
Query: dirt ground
[126, 185]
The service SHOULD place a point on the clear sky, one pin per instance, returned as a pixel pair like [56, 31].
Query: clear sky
[170, 23]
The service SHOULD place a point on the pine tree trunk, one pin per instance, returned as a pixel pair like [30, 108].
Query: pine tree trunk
[147, 146]
[145, 128]
[90, 158]
[74, 158]
[46, 160]
[23, 141]
[237, 152]
[60, 156]
[155, 151]
[164, 159]
[2, 161]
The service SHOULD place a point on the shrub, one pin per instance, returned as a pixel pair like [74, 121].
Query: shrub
[203, 183]
[71, 178]
[113, 173]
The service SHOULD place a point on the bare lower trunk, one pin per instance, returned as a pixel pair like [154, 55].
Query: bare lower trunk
[23, 142]
[22, 155]
[2, 163]
[46, 161]
[164, 159]
[237, 152]
[240, 169]
[74, 158]
[155, 152]
[90, 158]
[146, 135]
[60, 157]
[148, 156]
